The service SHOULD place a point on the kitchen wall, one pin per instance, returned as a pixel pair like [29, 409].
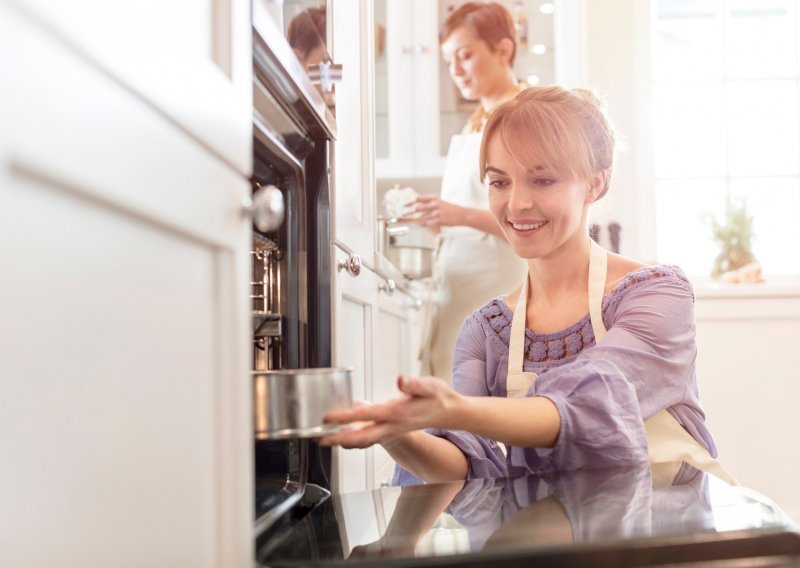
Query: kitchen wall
[618, 64]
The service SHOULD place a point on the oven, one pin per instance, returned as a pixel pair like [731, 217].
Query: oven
[290, 294]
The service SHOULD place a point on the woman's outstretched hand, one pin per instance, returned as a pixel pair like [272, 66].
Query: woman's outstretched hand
[427, 402]
[434, 213]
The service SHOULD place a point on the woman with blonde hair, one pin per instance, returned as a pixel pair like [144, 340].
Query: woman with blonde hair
[589, 363]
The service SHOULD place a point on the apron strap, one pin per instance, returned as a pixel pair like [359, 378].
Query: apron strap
[518, 381]
[598, 268]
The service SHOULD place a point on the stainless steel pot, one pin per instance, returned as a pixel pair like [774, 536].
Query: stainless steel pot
[291, 403]
[412, 260]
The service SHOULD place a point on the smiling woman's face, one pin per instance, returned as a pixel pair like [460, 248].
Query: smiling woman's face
[474, 67]
[540, 209]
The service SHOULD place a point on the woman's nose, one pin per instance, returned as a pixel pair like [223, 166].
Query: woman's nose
[519, 199]
[456, 69]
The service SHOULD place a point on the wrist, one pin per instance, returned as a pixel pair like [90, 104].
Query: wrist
[456, 412]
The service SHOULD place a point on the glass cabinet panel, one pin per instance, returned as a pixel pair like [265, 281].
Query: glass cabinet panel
[381, 82]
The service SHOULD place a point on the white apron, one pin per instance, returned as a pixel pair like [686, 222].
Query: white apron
[668, 442]
[470, 267]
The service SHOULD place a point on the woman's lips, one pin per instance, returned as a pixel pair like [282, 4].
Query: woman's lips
[525, 228]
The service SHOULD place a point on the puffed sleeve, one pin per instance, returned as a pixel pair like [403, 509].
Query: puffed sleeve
[601, 425]
[485, 457]
[651, 339]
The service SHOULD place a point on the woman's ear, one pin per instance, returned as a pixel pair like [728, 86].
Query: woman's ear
[597, 184]
[504, 49]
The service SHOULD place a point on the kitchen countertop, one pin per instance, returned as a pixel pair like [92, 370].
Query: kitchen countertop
[619, 517]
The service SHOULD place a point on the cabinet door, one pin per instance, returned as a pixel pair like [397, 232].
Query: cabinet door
[354, 311]
[191, 60]
[409, 113]
[123, 344]
[353, 178]
[435, 117]
[394, 101]
[396, 349]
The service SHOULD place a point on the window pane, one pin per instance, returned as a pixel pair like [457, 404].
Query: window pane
[689, 130]
[683, 233]
[762, 128]
[688, 39]
[760, 38]
[774, 204]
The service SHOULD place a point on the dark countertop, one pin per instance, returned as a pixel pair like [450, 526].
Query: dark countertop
[619, 517]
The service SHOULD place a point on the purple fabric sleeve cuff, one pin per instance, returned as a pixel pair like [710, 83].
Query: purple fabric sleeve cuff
[600, 422]
[484, 457]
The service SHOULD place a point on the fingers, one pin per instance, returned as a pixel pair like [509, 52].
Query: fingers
[425, 207]
[356, 414]
[416, 386]
[361, 413]
[426, 198]
[368, 435]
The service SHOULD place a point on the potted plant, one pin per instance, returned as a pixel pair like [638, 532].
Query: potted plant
[734, 234]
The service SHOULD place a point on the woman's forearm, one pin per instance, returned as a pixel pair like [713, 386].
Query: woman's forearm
[427, 457]
[531, 422]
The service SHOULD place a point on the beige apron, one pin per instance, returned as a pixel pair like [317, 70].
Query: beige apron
[668, 442]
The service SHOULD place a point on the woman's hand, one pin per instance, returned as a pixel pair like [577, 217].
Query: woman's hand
[434, 213]
[428, 402]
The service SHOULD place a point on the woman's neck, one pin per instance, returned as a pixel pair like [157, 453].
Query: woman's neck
[504, 90]
[563, 274]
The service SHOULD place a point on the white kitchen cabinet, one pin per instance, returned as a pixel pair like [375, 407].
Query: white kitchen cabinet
[417, 107]
[191, 61]
[407, 98]
[355, 296]
[353, 184]
[127, 437]
[750, 383]
[396, 350]
[376, 334]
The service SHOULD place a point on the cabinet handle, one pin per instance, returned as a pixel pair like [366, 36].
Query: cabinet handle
[421, 49]
[325, 75]
[352, 264]
[265, 207]
[389, 286]
[405, 50]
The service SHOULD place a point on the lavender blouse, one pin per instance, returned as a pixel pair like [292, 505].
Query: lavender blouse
[603, 391]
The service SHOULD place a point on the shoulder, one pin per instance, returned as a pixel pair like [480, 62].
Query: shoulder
[657, 298]
[647, 279]
[619, 267]
[490, 322]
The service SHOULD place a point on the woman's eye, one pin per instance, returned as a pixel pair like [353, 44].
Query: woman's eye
[544, 182]
[496, 183]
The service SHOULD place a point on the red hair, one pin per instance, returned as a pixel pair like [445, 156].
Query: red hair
[488, 21]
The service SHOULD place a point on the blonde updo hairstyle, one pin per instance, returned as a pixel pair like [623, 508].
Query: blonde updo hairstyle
[556, 128]
[488, 21]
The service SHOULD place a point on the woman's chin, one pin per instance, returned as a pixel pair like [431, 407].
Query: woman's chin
[469, 94]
